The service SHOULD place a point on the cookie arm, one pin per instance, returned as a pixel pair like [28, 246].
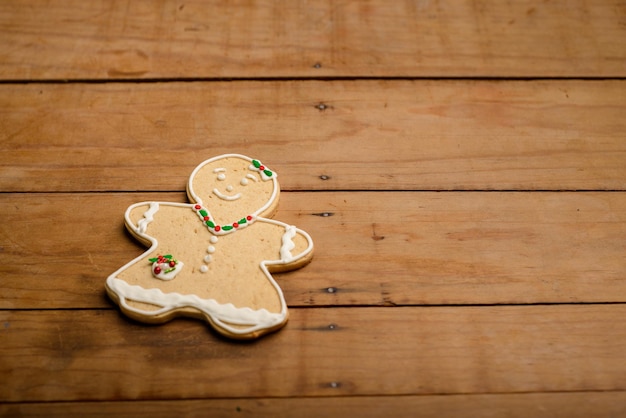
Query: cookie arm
[138, 217]
[296, 250]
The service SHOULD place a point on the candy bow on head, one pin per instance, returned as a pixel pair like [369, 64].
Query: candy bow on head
[266, 173]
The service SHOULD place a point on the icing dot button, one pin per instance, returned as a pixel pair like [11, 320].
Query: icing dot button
[211, 249]
[207, 259]
[213, 239]
[204, 269]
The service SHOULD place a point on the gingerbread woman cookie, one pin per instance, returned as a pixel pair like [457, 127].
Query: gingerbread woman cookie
[213, 258]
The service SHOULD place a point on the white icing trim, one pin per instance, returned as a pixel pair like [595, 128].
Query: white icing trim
[260, 318]
[290, 232]
[148, 217]
[288, 245]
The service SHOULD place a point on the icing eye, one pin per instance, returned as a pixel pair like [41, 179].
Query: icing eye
[244, 181]
[221, 176]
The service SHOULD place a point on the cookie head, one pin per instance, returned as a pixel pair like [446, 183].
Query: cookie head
[233, 184]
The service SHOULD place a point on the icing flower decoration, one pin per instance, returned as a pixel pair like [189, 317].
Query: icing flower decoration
[165, 267]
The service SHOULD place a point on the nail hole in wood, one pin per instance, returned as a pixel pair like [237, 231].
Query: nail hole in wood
[323, 214]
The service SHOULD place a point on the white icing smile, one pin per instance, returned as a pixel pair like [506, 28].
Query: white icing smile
[226, 197]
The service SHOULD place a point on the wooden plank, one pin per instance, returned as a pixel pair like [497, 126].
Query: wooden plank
[73, 39]
[371, 248]
[98, 355]
[538, 405]
[342, 135]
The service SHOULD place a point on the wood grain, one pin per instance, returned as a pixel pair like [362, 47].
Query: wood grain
[73, 39]
[372, 248]
[344, 135]
[460, 165]
[98, 355]
[538, 405]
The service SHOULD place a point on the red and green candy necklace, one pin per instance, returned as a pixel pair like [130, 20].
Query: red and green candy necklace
[221, 229]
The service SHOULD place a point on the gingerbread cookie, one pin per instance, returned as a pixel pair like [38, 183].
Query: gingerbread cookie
[213, 258]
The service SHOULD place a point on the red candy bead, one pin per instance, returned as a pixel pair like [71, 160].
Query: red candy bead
[217, 228]
[235, 225]
[157, 270]
[249, 217]
[206, 218]
[197, 207]
[262, 168]
[172, 263]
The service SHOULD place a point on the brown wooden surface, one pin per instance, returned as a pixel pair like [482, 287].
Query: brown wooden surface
[460, 165]
[188, 39]
[340, 351]
[373, 248]
[539, 405]
[372, 135]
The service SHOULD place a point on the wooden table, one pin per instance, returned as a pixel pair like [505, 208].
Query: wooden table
[460, 165]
